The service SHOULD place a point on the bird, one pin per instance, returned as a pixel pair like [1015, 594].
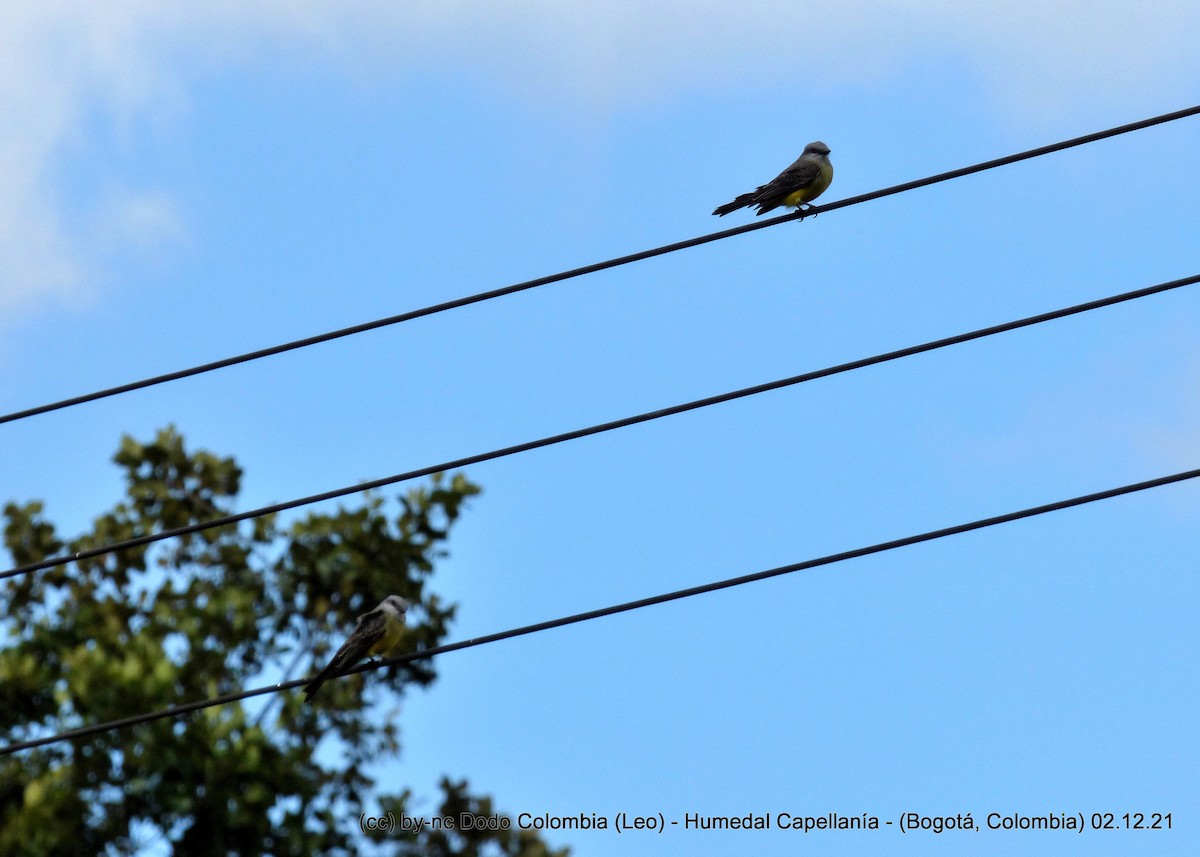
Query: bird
[376, 633]
[801, 183]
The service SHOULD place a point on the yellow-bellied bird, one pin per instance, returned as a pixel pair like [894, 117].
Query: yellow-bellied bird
[375, 634]
[802, 182]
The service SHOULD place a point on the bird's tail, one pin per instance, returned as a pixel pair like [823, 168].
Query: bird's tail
[741, 202]
[310, 689]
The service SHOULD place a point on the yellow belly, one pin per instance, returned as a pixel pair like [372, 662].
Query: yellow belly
[812, 191]
[391, 636]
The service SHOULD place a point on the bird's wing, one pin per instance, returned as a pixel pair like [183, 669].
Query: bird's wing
[370, 628]
[800, 174]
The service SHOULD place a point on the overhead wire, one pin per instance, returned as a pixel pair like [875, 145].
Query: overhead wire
[592, 268]
[645, 602]
[599, 428]
[880, 547]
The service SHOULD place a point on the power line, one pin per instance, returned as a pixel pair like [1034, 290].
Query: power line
[590, 269]
[603, 427]
[627, 606]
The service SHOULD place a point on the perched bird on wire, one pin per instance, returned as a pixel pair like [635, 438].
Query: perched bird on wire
[375, 634]
[801, 183]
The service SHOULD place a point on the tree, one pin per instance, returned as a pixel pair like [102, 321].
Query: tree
[202, 615]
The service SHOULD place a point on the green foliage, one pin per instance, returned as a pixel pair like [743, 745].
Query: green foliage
[199, 616]
[473, 842]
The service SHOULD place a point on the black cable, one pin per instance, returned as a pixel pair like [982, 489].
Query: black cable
[603, 427]
[621, 608]
[590, 269]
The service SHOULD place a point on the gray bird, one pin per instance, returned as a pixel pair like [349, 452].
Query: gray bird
[375, 634]
[802, 182]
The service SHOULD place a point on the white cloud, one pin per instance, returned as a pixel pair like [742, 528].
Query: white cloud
[1063, 54]
[1052, 53]
[35, 259]
[55, 66]
[63, 61]
[144, 221]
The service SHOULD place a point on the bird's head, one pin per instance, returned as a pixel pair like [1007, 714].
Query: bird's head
[816, 148]
[395, 605]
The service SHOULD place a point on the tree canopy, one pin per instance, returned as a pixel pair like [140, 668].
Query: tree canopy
[205, 614]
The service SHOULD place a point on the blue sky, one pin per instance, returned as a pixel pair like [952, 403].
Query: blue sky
[182, 185]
